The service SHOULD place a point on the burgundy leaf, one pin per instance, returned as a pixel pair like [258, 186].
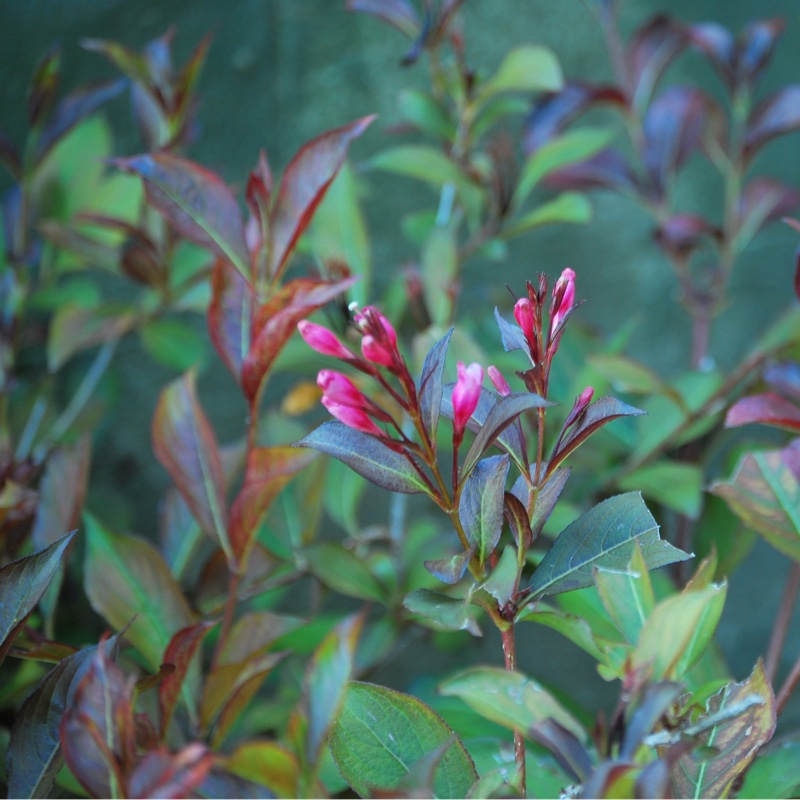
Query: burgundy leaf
[185, 445]
[399, 13]
[768, 409]
[430, 384]
[652, 49]
[550, 115]
[230, 316]
[517, 518]
[161, 774]
[179, 653]
[779, 113]
[98, 731]
[450, 570]
[547, 498]
[755, 46]
[765, 200]
[653, 704]
[673, 129]
[44, 86]
[607, 169]
[682, 233]
[596, 416]
[480, 507]
[565, 746]
[717, 43]
[277, 321]
[196, 202]
[259, 190]
[72, 109]
[9, 156]
[304, 183]
[269, 469]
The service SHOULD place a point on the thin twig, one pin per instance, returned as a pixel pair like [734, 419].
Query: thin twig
[781, 625]
[789, 685]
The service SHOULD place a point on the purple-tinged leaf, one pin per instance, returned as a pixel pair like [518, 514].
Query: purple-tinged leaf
[567, 749]
[480, 507]
[127, 61]
[511, 335]
[98, 732]
[130, 586]
[673, 129]
[276, 322]
[22, 584]
[450, 570]
[398, 13]
[596, 416]
[9, 156]
[610, 779]
[304, 183]
[196, 203]
[61, 492]
[555, 110]
[653, 780]
[170, 775]
[187, 78]
[767, 408]
[185, 445]
[681, 234]
[784, 377]
[732, 742]
[34, 750]
[652, 49]
[607, 169]
[717, 43]
[654, 703]
[269, 469]
[503, 582]
[605, 536]
[502, 414]
[230, 316]
[517, 518]
[179, 653]
[328, 674]
[755, 46]
[430, 384]
[547, 498]
[367, 456]
[763, 200]
[71, 110]
[777, 114]
[442, 612]
[74, 329]
[258, 194]
[44, 86]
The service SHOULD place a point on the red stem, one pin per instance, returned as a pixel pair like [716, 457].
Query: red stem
[781, 626]
[510, 654]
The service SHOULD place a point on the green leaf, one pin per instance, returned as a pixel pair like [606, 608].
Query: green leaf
[34, 751]
[502, 583]
[267, 764]
[568, 148]
[774, 773]
[365, 455]
[730, 745]
[442, 612]
[381, 734]
[678, 631]
[678, 486]
[510, 699]
[343, 571]
[128, 583]
[422, 110]
[174, 344]
[566, 207]
[765, 495]
[480, 507]
[604, 536]
[528, 68]
[575, 628]
[439, 271]
[75, 329]
[22, 584]
[421, 162]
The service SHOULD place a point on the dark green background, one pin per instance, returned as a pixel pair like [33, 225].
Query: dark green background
[281, 71]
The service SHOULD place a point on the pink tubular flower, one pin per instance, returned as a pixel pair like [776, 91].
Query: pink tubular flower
[375, 352]
[565, 288]
[498, 381]
[352, 417]
[322, 340]
[466, 394]
[370, 315]
[523, 314]
[340, 389]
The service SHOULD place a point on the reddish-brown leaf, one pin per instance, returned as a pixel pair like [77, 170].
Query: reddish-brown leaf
[170, 775]
[653, 47]
[768, 409]
[276, 322]
[230, 316]
[74, 329]
[777, 114]
[196, 202]
[682, 233]
[303, 186]
[608, 169]
[765, 200]
[269, 469]
[179, 653]
[44, 86]
[184, 443]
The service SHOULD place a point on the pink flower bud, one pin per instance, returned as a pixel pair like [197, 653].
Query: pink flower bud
[565, 287]
[498, 381]
[375, 352]
[581, 404]
[340, 389]
[322, 340]
[466, 394]
[523, 314]
[352, 417]
[371, 315]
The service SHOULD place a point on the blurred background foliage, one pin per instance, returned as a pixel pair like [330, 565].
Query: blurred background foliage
[281, 71]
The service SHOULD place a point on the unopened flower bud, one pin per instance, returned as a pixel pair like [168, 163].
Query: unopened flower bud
[375, 352]
[565, 288]
[498, 381]
[352, 417]
[523, 314]
[466, 394]
[340, 389]
[322, 340]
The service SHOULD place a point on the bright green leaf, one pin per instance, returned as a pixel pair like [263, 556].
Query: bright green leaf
[566, 207]
[678, 486]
